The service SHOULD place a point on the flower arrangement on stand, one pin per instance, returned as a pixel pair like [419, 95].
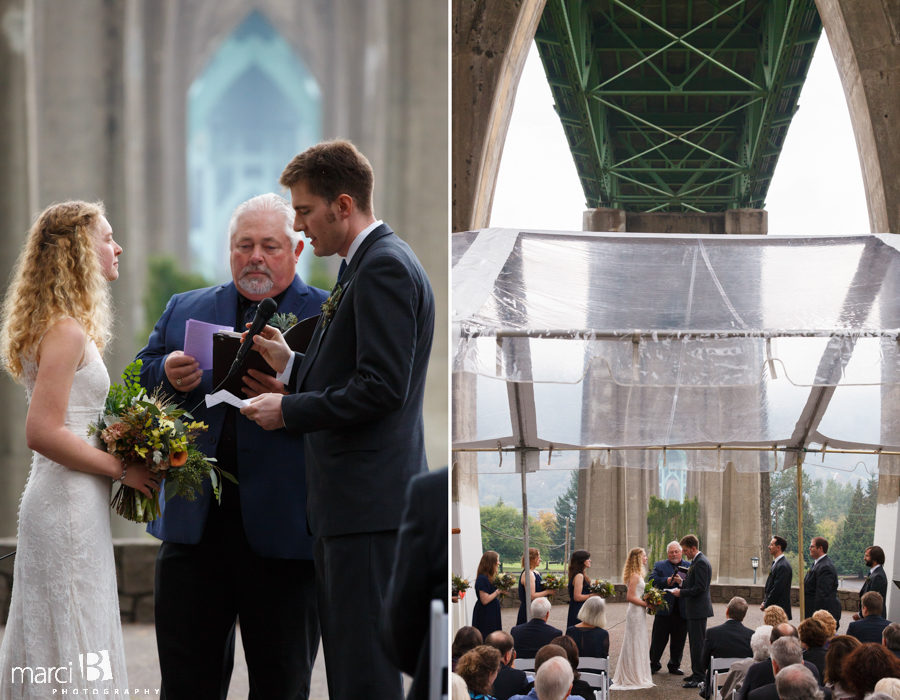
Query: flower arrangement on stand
[460, 585]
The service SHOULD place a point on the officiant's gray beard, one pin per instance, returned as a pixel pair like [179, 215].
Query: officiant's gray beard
[256, 286]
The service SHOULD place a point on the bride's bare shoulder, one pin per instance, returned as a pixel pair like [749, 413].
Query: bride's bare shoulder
[65, 337]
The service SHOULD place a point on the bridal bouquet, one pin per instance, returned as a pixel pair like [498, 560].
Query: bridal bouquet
[552, 582]
[604, 588]
[504, 582]
[136, 427]
[654, 598]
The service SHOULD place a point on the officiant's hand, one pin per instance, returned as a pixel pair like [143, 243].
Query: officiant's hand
[272, 346]
[265, 409]
[183, 371]
[261, 383]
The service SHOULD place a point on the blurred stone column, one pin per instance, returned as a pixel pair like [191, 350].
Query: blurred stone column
[15, 218]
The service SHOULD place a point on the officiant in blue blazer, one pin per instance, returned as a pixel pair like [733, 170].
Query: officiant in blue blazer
[252, 555]
[357, 394]
[669, 625]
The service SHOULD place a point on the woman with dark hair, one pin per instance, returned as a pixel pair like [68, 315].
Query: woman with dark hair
[589, 636]
[813, 635]
[867, 665]
[839, 648]
[579, 584]
[466, 639]
[486, 614]
[579, 687]
[534, 580]
[478, 668]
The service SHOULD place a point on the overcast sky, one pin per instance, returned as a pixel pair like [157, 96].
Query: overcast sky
[817, 187]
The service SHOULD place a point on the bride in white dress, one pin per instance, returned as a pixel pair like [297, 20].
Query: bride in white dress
[633, 668]
[56, 321]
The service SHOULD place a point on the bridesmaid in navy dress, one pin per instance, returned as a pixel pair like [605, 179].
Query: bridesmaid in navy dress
[579, 584]
[537, 585]
[486, 614]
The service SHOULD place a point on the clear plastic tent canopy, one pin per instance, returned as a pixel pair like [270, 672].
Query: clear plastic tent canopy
[641, 349]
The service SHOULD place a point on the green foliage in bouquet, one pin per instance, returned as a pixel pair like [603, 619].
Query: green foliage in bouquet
[504, 581]
[655, 598]
[460, 585]
[604, 588]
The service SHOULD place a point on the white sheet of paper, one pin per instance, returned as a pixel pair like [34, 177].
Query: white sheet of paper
[665, 590]
[225, 397]
[198, 341]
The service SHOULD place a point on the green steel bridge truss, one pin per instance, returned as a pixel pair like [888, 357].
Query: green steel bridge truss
[677, 105]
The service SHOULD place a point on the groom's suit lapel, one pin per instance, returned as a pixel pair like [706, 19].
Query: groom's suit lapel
[345, 282]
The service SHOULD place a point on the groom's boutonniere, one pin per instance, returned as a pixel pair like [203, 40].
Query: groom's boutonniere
[329, 306]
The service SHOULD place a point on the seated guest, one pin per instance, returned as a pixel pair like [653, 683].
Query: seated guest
[827, 619]
[839, 648]
[728, 640]
[760, 643]
[553, 681]
[813, 636]
[590, 636]
[774, 616]
[889, 687]
[763, 673]
[869, 628]
[510, 681]
[546, 654]
[579, 687]
[458, 690]
[890, 637]
[466, 639]
[865, 666]
[796, 682]
[478, 668]
[535, 633]
[786, 651]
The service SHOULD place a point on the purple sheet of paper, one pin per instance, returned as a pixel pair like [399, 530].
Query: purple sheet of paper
[198, 341]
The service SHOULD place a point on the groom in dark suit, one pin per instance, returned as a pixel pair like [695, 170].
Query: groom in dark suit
[671, 623]
[821, 582]
[778, 584]
[358, 395]
[698, 605]
[250, 557]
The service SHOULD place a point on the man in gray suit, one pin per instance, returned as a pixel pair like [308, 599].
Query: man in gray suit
[698, 605]
[358, 394]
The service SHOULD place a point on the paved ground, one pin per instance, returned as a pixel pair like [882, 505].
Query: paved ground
[667, 686]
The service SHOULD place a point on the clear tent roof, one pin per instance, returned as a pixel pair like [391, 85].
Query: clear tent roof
[624, 342]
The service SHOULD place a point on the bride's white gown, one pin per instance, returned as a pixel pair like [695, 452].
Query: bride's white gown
[64, 597]
[633, 668]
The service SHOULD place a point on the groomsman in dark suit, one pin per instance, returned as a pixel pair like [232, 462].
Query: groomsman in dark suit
[821, 582]
[357, 397]
[877, 579]
[698, 605]
[778, 584]
[669, 625]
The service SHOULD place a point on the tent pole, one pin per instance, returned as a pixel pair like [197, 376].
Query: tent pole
[800, 531]
[527, 559]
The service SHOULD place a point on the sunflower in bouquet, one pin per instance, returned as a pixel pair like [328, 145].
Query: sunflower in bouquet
[604, 588]
[654, 598]
[137, 427]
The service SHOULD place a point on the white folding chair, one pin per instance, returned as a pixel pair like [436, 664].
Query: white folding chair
[720, 667]
[524, 664]
[595, 672]
[440, 651]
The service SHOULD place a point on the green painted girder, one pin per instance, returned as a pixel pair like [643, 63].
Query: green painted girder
[676, 105]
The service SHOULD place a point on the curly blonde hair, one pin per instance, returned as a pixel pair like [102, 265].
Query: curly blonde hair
[633, 565]
[57, 276]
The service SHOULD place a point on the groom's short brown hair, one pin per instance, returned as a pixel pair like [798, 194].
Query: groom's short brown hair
[689, 541]
[330, 169]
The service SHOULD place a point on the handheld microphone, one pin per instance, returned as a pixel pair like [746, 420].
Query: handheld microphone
[266, 309]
